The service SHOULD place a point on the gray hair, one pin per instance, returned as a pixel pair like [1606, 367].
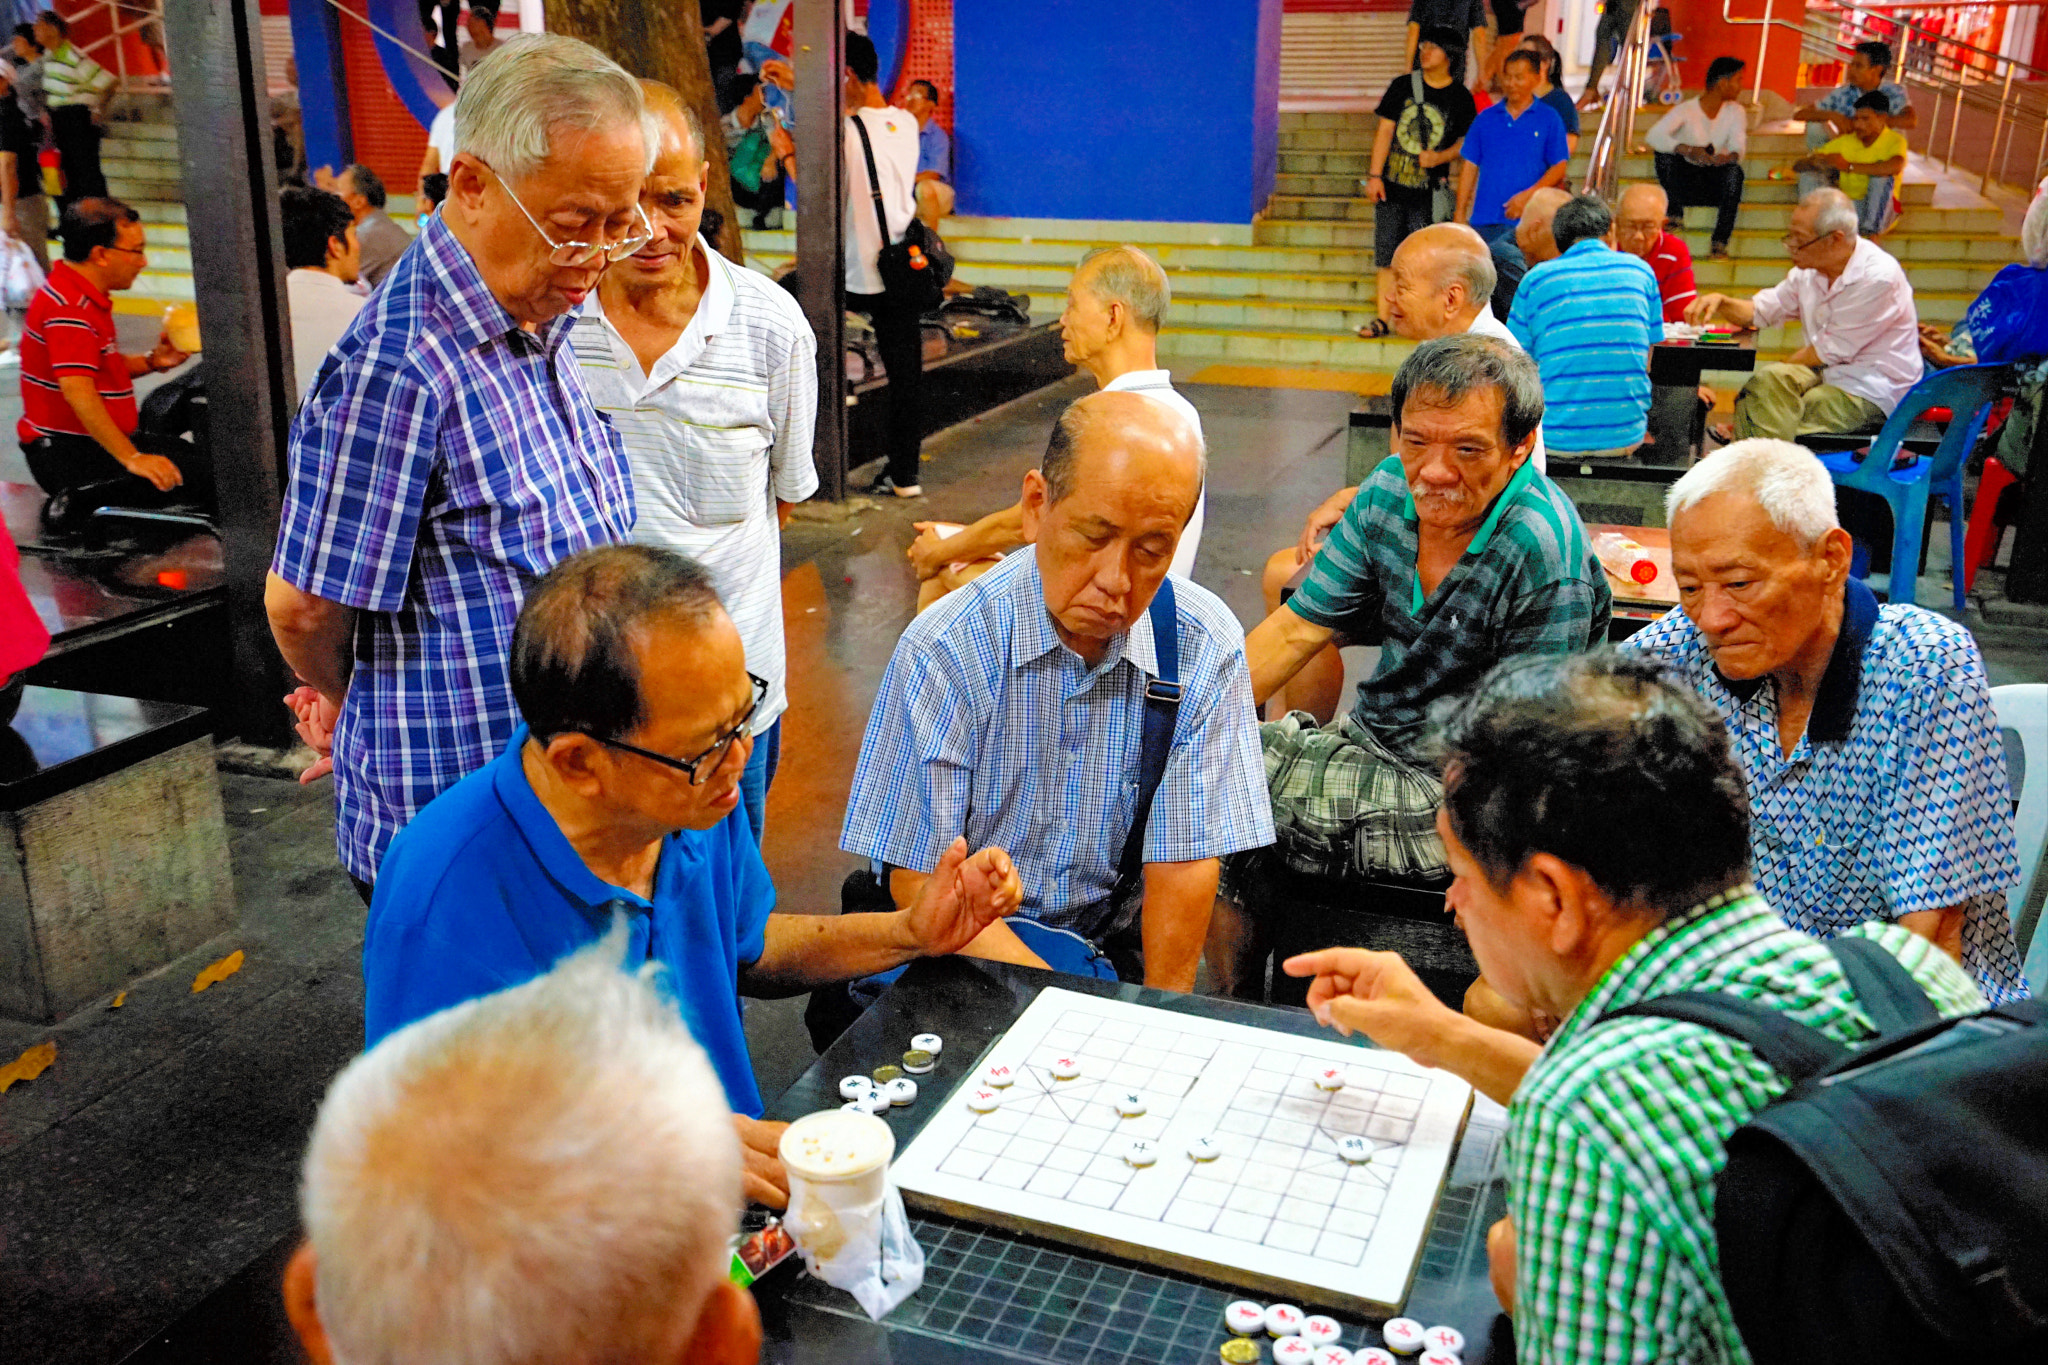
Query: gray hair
[1581, 217]
[571, 1120]
[529, 87]
[1062, 452]
[1464, 257]
[1788, 481]
[1441, 372]
[1129, 276]
[1834, 211]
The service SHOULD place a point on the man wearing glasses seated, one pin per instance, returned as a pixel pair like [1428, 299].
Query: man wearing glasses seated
[447, 454]
[615, 800]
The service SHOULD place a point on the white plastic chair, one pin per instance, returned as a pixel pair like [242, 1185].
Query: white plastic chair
[2023, 709]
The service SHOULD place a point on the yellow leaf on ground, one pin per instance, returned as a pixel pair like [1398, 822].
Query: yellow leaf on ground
[28, 1065]
[218, 972]
[119, 1001]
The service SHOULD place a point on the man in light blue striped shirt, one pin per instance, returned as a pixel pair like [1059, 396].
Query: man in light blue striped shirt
[1013, 710]
[1589, 318]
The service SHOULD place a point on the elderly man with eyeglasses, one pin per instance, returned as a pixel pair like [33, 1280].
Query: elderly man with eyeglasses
[447, 453]
[1862, 335]
[617, 798]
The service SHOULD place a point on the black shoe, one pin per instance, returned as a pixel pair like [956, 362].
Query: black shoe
[884, 486]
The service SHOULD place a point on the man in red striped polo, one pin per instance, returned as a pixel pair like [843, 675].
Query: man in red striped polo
[78, 414]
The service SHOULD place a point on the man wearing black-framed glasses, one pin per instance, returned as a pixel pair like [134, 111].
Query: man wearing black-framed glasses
[618, 798]
[79, 416]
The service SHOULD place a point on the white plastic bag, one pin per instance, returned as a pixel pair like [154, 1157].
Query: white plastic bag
[879, 1262]
[20, 276]
[844, 1213]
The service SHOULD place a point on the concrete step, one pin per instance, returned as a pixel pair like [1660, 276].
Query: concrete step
[1349, 352]
[141, 170]
[1911, 242]
[1341, 173]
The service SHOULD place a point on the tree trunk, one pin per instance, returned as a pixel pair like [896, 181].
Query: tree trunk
[662, 40]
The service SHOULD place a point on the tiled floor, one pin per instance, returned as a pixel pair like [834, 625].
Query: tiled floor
[156, 1157]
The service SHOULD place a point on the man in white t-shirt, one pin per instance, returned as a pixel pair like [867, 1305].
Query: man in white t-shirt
[440, 153]
[707, 371]
[324, 257]
[1116, 303]
[892, 134]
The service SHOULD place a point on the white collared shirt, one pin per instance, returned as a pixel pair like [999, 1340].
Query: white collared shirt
[1485, 324]
[1863, 325]
[1688, 126]
[716, 433]
[1158, 386]
[321, 307]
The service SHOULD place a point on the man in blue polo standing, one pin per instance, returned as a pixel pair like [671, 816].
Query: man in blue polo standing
[1512, 149]
[1589, 318]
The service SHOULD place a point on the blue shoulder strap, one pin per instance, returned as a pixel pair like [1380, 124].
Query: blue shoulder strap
[1162, 710]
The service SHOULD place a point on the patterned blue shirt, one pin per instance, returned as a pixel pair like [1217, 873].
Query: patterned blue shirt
[443, 461]
[1842, 99]
[1894, 800]
[987, 725]
[1588, 319]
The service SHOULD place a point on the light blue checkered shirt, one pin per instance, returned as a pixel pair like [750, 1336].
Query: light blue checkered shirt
[987, 725]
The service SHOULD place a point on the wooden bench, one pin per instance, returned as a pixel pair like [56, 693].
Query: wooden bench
[117, 851]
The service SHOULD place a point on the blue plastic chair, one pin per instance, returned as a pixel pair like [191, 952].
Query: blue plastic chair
[1969, 392]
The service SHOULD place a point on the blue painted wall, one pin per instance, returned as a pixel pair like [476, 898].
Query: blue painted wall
[323, 99]
[1156, 110]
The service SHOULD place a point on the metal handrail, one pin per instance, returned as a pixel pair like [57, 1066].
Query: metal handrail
[388, 36]
[1618, 115]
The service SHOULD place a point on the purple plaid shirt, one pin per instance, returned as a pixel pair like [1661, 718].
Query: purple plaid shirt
[443, 461]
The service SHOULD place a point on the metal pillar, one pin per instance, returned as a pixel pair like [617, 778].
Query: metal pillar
[820, 248]
[230, 184]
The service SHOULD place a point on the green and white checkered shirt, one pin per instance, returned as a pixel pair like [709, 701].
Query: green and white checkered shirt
[1527, 584]
[1617, 1133]
[71, 77]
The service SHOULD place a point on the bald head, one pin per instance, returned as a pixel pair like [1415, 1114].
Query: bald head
[1639, 220]
[1440, 278]
[1532, 234]
[1115, 427]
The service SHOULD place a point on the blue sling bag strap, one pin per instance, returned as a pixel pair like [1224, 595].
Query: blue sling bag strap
[1162, 712]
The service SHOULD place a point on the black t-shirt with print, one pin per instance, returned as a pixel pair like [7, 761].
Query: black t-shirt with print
[1430, 126]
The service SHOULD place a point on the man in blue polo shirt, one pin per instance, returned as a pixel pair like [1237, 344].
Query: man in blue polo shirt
[1511, 150]
[1589, 318]
[613, 800]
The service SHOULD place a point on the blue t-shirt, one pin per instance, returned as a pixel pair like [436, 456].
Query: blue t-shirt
[482, 891]
[935, 151]
[1512, 154]
[1567, 111]
[1588, 319]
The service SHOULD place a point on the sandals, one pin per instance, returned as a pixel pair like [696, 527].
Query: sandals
[1374, 330]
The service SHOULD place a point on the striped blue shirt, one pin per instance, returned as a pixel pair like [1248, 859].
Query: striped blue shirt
[443, 461]
[987, 725]
[1589, 319]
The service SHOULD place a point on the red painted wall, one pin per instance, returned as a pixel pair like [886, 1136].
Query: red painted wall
[388, 139]
[1708, 36]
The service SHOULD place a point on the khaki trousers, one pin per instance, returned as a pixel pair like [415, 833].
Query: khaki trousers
[1789, 401]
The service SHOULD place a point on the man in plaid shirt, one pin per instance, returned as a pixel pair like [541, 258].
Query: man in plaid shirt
[1596, 823]
[1456, 553]
[448, 455]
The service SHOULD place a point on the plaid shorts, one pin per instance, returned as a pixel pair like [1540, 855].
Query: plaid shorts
[1343, 807]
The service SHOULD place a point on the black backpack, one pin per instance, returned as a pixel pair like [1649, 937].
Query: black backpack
[1893, 1203]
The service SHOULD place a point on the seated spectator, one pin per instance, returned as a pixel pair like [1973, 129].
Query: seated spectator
[1456, 553]
[433, 190]
[1422, 122]
[78, 414]
[1529, 244]
[617, 796]
[479, 38]
[934, 154]
[1014, 712]
[1594, 819]
[1549, 86]
[1877, 784]
[1116, 303]
[1513, 149]
[750, 155]
[1589, 318]
[1639, 230]
[1830, 116]
[323, 255]
[1866, 162]
[2007, 324]
[1440, 282]
[571, 1118]
[383, 240]
[1855, 305]
[1698, 149]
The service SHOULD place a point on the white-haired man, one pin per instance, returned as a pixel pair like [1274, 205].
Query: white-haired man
[1862, 350]
[1639, 230]
[572, 1117]
[448, 454]
[708, 372]
[1877, 782]
[1116, 303]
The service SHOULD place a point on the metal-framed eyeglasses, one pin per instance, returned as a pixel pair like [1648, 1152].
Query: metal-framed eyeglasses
[700, 768]
[1793, 246]
[570, 255]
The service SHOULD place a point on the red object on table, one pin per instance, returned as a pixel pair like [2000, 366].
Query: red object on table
[23, 637]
